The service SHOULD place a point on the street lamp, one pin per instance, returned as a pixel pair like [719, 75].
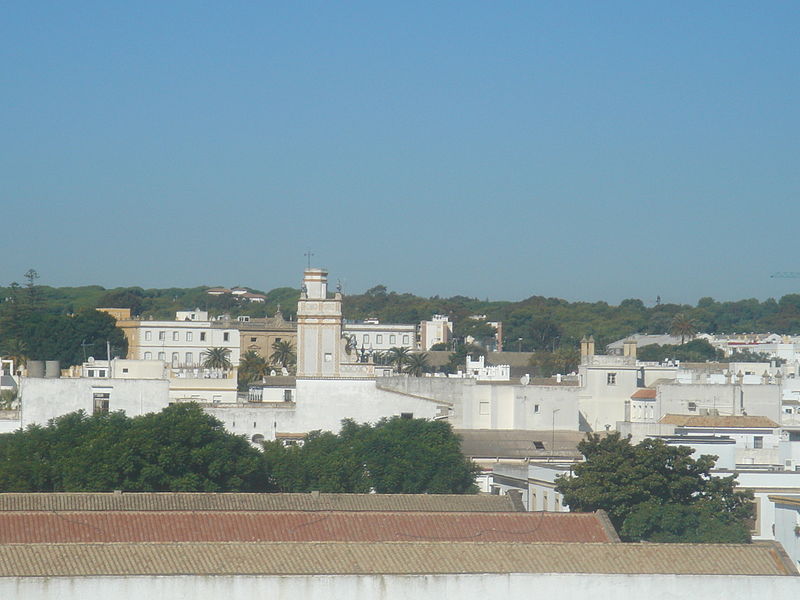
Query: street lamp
[519, 344]
[553, 439]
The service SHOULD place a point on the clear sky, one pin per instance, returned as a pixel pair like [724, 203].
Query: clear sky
[584, 150]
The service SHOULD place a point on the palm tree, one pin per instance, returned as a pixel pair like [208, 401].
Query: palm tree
[683, 326]
[283, 353]
[417, 364]
[398, 357]
[17, 351]
[216, 358]
[252, 367]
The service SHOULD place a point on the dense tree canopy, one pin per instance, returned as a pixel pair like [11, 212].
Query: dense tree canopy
[397, 455]
[694, 351]
[180, 449]
[653, 491]
[39, 335]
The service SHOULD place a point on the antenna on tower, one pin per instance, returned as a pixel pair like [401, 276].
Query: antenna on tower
[308, 255]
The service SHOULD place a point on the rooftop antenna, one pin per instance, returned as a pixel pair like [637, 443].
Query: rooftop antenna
[308, 255]
[84, 345]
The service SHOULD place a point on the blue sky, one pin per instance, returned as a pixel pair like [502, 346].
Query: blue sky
[584, 150]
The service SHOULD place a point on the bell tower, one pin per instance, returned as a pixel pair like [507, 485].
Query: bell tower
[319, 327]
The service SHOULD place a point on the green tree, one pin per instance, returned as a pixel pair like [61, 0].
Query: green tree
[695, 523]
[16, 350]
[181, 448]
[252, 368]
[417, 364]
[641, 486]
[682, 326]
[694, 351]
[397, 455]
[283, 353]
[398, 357]
[216, 358]
[132, 298]
[65, 338]
[547, 364]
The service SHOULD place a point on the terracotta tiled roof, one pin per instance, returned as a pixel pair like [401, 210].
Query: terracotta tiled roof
[283, 526]
[309, 558]
[718, 421]
[255, 502]
[645, 393]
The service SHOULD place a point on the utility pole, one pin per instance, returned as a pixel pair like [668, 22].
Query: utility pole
[553, 439]
[108, 356]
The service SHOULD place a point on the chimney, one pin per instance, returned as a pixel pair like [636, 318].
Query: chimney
[587, 347]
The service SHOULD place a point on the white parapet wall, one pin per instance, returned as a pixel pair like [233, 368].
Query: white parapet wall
[564, 586]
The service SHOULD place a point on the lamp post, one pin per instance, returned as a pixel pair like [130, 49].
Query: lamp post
[553, 439]
[519, 344]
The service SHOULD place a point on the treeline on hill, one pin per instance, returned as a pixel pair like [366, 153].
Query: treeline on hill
[537, 323]
[183, 449]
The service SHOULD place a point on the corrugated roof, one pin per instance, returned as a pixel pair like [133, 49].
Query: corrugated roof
[645, 393]
[255, 502]
[310, 558]
[284, 526]
[718, 421]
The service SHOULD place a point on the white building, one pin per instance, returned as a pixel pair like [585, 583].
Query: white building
[181, 343]
[439, 330]
[372, 335]
[482, 372]
[607, 383]
[42, 399]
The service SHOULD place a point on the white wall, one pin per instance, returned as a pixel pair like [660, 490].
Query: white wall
[572, 586]
[44, 399]
[727, 399]
[495, 405]
[323, 404]
[787, 519]
[10, 420]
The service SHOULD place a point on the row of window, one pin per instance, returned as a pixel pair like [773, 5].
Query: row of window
[379, 339]
[188, 357]
[176, 336]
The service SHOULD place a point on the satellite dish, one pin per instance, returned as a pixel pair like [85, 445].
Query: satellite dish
[525, 379]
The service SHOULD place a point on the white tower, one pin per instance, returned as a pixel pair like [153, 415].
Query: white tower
[319, 327]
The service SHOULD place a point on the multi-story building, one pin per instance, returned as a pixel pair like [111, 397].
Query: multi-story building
[260, 335]
[439, 330]
[373, 335]
[180, 343]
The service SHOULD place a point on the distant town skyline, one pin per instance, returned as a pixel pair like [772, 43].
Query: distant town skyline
[582, 151]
